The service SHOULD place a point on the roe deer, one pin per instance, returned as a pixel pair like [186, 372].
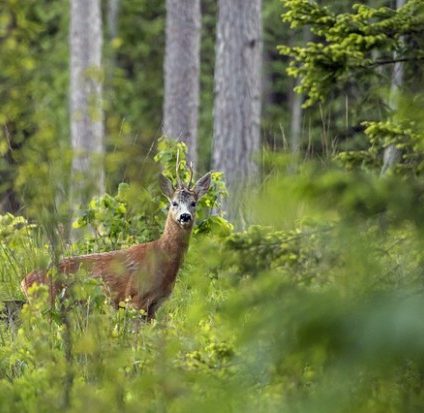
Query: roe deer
[145, 273]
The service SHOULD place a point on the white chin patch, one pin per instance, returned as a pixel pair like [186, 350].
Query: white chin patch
[184, 224]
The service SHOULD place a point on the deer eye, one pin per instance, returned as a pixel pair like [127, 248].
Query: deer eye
[174, 204]
[193, 204]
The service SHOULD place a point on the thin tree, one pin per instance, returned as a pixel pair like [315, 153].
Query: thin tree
[392, 154]
[238, 87]
[296, 109]
[112, 18]
[182, 66]
[86, 113]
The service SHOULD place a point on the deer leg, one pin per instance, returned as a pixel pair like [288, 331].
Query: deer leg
[151, 311]
[153, 307]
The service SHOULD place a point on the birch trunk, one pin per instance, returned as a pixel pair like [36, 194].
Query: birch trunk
[238, 87]
[392, 154]
[182, 68]
[86, 111]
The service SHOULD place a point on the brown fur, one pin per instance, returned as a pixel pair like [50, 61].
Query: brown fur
[145, 273]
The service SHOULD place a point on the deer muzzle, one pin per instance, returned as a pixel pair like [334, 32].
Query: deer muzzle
[185, 218]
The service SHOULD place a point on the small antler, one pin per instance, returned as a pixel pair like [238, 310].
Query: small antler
[177, 167]
[190, 168]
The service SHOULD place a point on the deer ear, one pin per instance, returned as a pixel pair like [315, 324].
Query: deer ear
[202, 185]
[166, 186]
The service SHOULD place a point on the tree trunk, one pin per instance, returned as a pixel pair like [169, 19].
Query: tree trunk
[238, 85]
[182, 66]
[86, 110]
[296, 100]
[392, 154]
[112, 18]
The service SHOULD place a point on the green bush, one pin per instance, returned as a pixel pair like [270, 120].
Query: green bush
[137, 215]
[317, 307]
[20, 250]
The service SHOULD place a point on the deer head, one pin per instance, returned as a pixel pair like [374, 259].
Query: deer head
[183, 198]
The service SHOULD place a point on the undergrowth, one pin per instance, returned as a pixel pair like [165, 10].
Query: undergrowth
[316, 307]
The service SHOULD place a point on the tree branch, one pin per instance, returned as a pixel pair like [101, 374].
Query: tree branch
[393, 61]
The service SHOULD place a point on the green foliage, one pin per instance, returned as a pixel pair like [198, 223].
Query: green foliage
[316, 307]
[34, 118]
[33, 91]
[359, 195]
[345, 43]
[268, 319]
[262, 249]
[115, 224]
[136, 216]
[18, 253]
[403, 135]
[349, 62]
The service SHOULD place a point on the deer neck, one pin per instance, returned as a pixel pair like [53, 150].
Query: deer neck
[174, 240]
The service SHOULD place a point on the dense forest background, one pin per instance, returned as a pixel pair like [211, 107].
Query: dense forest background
[303, 286]
[351, 80]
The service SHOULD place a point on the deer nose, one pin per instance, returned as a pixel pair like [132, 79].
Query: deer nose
[185, 217]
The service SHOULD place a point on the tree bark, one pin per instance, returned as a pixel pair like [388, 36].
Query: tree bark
[296, 100]
[392, 154]
[182, 68]
[112, 18]
[86, 112]
[238, 86]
